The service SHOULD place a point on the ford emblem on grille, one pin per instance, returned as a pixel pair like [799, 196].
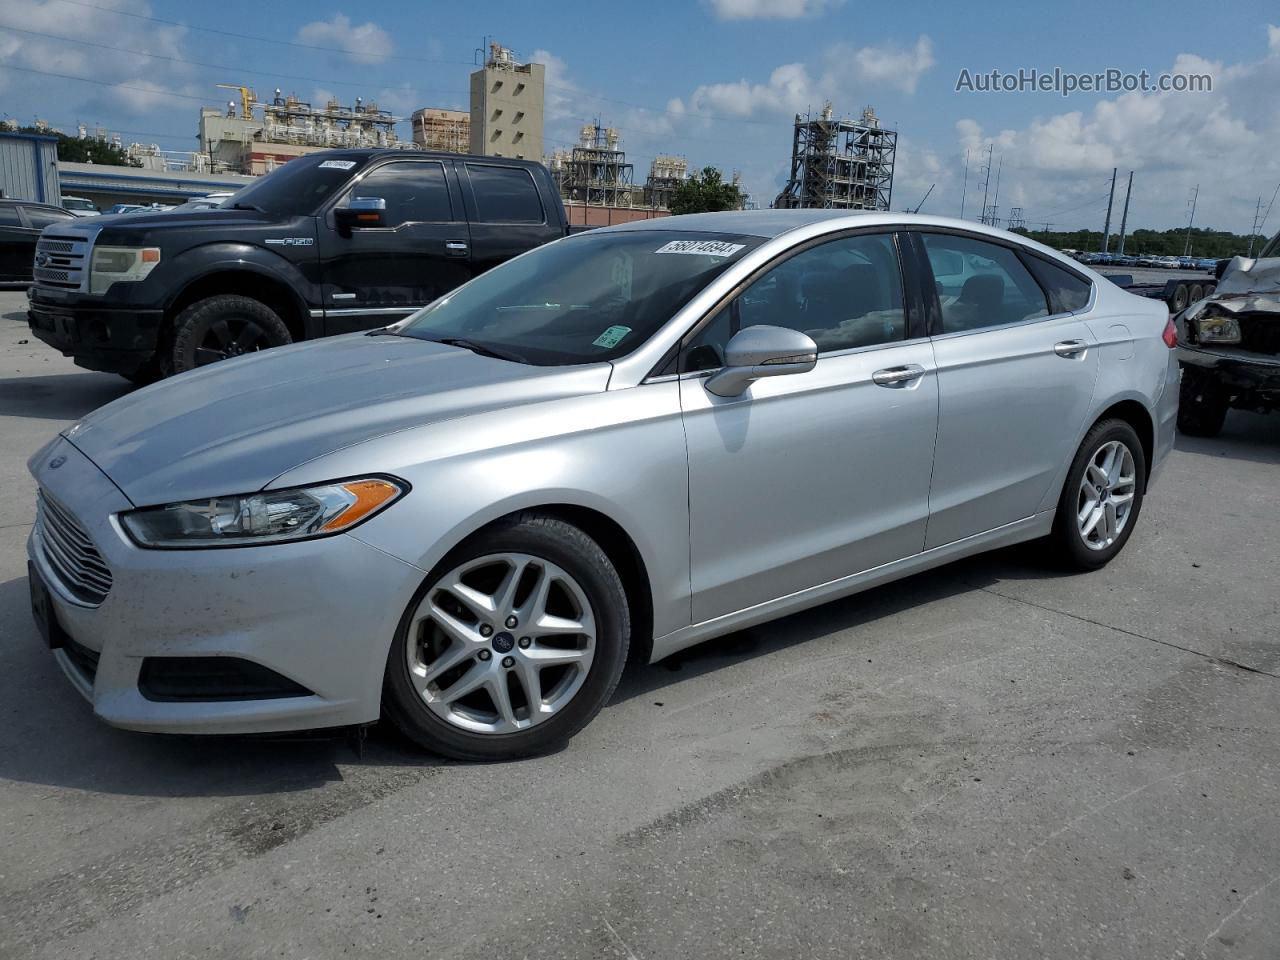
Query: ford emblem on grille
[41, 258]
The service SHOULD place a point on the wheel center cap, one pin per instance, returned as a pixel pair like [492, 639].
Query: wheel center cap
[503, 642]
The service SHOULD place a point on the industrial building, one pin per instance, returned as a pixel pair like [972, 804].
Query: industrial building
[841, 164]
[238, 140]
[666, 173]
[29, 167]
[507, 99]
[595, 171]
[448, 131]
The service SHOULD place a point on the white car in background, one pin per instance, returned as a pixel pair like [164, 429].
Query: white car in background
[80, 206]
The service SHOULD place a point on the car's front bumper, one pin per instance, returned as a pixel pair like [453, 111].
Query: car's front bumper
[321, 613]
[112, 338]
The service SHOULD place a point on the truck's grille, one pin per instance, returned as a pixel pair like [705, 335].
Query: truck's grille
[71, 553]
[1259, 335]
[62, 261]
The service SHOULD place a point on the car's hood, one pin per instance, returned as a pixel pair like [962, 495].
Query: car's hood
[234, 426]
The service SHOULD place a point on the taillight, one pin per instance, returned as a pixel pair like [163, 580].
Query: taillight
[1170, 334]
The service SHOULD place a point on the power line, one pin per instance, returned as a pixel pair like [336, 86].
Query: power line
[106, 83]
[212, 66]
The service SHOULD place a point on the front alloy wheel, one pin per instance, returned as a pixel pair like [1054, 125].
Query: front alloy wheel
[512, 644]
[501, 643]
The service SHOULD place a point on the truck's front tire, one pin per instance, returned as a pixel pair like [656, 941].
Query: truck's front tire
[221, 327]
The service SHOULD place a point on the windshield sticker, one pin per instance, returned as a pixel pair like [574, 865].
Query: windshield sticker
[611, 337]
[707, 248]
[337, 165]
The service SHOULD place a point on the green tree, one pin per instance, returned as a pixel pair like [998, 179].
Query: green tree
[86, 150]
[706, 192]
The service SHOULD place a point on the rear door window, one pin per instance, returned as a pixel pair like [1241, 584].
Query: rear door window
[981, 284]
[505, 194]
[1067, 291]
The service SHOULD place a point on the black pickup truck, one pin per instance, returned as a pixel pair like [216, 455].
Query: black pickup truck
[329, 243]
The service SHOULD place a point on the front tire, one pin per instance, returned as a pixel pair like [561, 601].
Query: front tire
[1202, 405]
[1102, 497]
[221, 327]
[515, 641]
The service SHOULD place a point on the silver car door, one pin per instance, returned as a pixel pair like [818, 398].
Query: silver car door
[1015, 383]
[810, 477]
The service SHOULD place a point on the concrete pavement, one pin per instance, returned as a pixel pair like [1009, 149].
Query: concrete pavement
[987, 760]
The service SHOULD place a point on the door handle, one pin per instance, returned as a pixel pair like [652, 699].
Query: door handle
[456, 248]
[1070, 348]
[898, 376]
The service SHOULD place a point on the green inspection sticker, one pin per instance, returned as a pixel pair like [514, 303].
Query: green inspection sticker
[611, 337]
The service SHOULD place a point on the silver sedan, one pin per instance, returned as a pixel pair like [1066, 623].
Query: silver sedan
[615, 446]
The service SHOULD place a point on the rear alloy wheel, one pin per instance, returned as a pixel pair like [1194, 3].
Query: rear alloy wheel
[222, 327]
[513, 647]
[1102, 497]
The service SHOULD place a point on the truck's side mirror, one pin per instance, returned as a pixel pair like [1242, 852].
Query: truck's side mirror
[361, 213]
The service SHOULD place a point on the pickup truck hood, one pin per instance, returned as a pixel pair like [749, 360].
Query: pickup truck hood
[234, 426]
[146, 228]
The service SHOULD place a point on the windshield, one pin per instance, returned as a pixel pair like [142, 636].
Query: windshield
[583, 299]
[1272, 249]
[299, 187]
[75, 203]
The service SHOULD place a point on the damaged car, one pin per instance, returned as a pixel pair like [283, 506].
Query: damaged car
[1229, 345]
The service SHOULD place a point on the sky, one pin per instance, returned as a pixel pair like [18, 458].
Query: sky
[719, 81]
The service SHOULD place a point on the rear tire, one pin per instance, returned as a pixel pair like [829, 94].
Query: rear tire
[1093, 521]
[1202, 405]
[1178, 302]
[454, 636]
[221, 327]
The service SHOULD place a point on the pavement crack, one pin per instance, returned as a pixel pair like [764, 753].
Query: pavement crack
[1224, 661]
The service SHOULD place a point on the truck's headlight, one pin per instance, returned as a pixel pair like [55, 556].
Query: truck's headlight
[271, 516]
[119, 265]
[1218, 330]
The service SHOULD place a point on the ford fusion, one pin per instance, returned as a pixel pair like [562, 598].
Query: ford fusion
[610, 448]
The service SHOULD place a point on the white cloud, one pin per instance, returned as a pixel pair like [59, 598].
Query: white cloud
[367, 43]
[888, 65]
[132, 81]
[1058, 166]
[770, 9]
[792, 88]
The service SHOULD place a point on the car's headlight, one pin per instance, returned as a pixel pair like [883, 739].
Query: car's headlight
[271, 516]
[120, 264]
[1218, 330]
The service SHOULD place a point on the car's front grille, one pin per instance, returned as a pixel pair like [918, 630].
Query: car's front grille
[70, 553]
[62, 261]
[1259, 335]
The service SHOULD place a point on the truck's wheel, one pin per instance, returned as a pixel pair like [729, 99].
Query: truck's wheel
[1202, 404]
[1197, 292]
[221, 327]
[1178, 302]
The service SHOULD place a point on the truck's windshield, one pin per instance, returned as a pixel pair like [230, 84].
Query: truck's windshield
[582, 299]
[298, 188]
[1272, 249]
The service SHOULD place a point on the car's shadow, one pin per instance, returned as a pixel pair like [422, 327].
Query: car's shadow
[65, 396]
[49, 735]
[1245, 436]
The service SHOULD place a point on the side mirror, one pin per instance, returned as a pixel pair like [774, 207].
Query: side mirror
[762, 351]
[361, 213]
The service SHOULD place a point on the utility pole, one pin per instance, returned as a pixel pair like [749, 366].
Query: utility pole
[986, 184]
[1186, 247]
[965, 189]
[993, 217]
[1124, 217]
[1106, 230]
[1253, 231]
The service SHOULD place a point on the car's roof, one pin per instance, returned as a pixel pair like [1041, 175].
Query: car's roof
[773, 223]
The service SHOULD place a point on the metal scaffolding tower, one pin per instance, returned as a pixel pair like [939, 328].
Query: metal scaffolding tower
[596, 172]
[841, 164]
